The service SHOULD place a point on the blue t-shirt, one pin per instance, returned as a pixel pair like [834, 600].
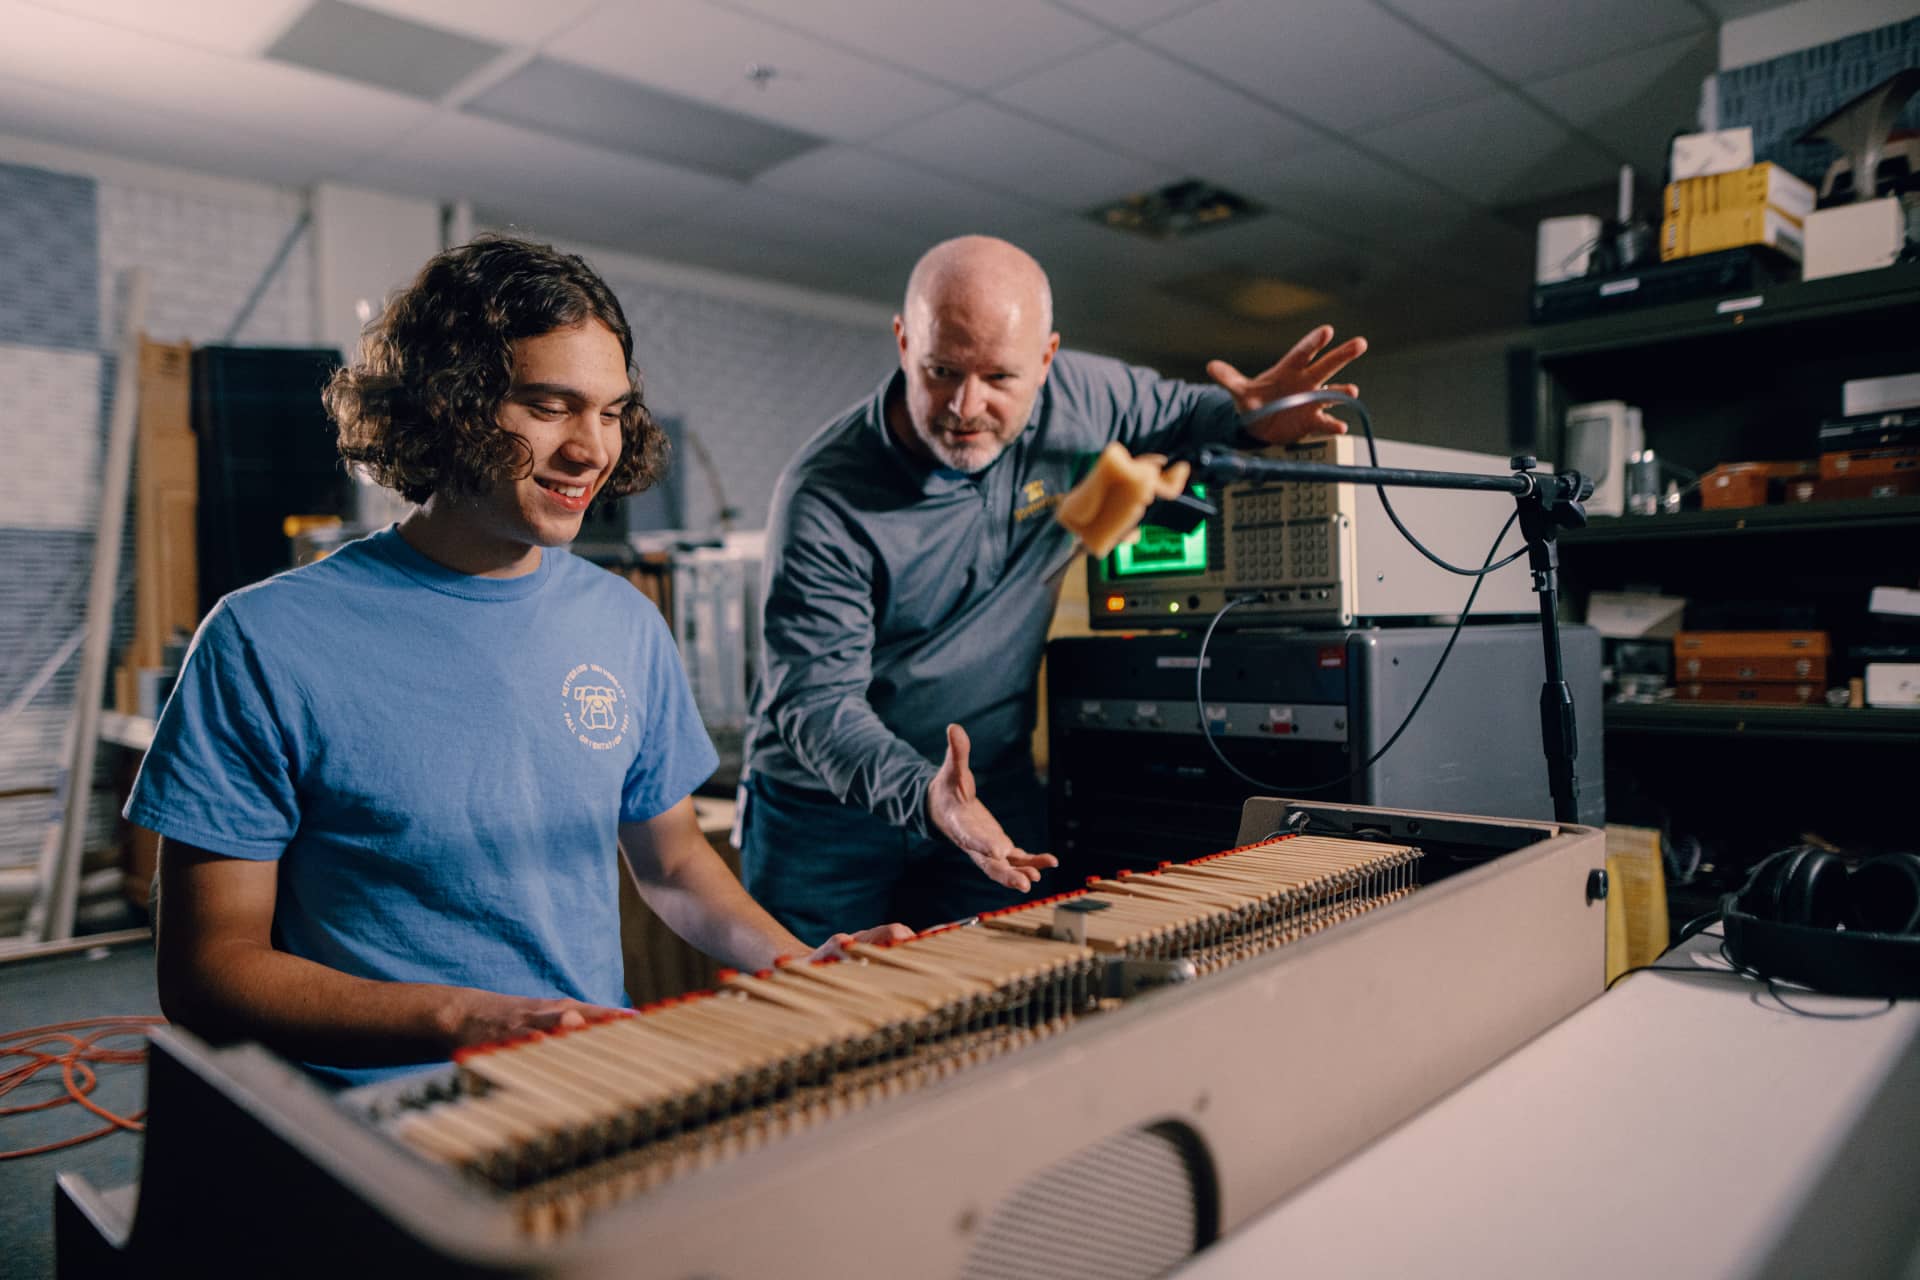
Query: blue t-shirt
[439, 761]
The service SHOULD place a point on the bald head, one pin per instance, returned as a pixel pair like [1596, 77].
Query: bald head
[984, 275]
[976, 340]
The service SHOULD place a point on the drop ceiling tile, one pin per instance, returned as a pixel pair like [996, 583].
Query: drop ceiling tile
[508, 22]
[1078, 253]
[1129, 15]
[501, 166]
[853, 271]
[1143, 104]
[975, 45]
[1275, 245]
[379, 49]
[876, 186]
[576, 102]
[703, 52]
[992, 146]
[1534, 156]
[1345, 64]
[1346, 193]
[756, 214]
[1729, 9]
[1634, 103]
[333, 120]
[221, 26]
[152, 134]
[1526, 39]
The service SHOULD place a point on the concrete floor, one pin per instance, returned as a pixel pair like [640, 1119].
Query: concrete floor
[90, 984]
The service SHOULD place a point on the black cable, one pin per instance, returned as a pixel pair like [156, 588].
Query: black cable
[1774, 991]
[1749, 974]
[1674, 968]
[1696, 925]
[1324, 396]
[1200, 671]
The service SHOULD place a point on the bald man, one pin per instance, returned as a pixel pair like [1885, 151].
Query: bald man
[912, 571]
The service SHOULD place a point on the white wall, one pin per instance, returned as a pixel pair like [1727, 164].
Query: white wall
[1441, 393]
[752, 368]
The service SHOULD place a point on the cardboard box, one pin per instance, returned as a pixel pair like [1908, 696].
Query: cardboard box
[1695, 155]
[1860, 396]
[1853, 237]
[1564, 248]
[1759, 186]
[1733, 228]
[1893, 684]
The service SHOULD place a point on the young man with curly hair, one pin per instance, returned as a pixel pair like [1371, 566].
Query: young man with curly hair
[393, 787]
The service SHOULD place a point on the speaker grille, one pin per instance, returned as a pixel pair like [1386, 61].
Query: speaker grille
[1136, 1204]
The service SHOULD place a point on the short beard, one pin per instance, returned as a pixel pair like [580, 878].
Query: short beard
[969, 460]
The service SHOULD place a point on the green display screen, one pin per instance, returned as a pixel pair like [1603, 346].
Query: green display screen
[1160, 550]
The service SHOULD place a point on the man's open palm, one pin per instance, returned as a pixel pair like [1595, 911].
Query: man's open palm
[956, 812]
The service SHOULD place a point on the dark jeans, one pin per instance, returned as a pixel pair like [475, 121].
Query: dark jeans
[822, 867]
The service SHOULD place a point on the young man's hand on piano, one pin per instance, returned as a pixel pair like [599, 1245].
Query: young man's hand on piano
[837, 945]
[957, 813]
[487, 1017]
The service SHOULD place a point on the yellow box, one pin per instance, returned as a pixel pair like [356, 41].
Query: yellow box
[1760, 187]
[1673, 239]
[1767, 186]
[1731, 228]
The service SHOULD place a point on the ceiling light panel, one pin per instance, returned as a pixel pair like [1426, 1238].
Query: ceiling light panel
[587, 106]
[379, 49]
[507, 22]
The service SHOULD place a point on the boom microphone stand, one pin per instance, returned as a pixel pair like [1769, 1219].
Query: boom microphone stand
[1548, 504]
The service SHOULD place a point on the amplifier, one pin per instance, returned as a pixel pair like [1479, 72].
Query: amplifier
[1131, 780]
[1319, 554]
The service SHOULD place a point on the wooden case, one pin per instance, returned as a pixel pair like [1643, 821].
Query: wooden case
[1869, 462]
[1749, 484]
[1810, 668]
[1775, 693]
[1749, 644]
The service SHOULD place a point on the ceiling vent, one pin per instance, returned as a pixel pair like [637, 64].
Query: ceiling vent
[1180, 209]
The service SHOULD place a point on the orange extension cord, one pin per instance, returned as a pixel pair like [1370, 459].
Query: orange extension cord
[76, 1056]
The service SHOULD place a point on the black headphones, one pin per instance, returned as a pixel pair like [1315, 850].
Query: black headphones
[1785, 922]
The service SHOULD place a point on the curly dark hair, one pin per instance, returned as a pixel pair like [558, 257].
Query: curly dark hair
[420, 408]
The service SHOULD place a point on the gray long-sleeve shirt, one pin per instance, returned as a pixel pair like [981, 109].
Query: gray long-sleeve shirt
[901, 596]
